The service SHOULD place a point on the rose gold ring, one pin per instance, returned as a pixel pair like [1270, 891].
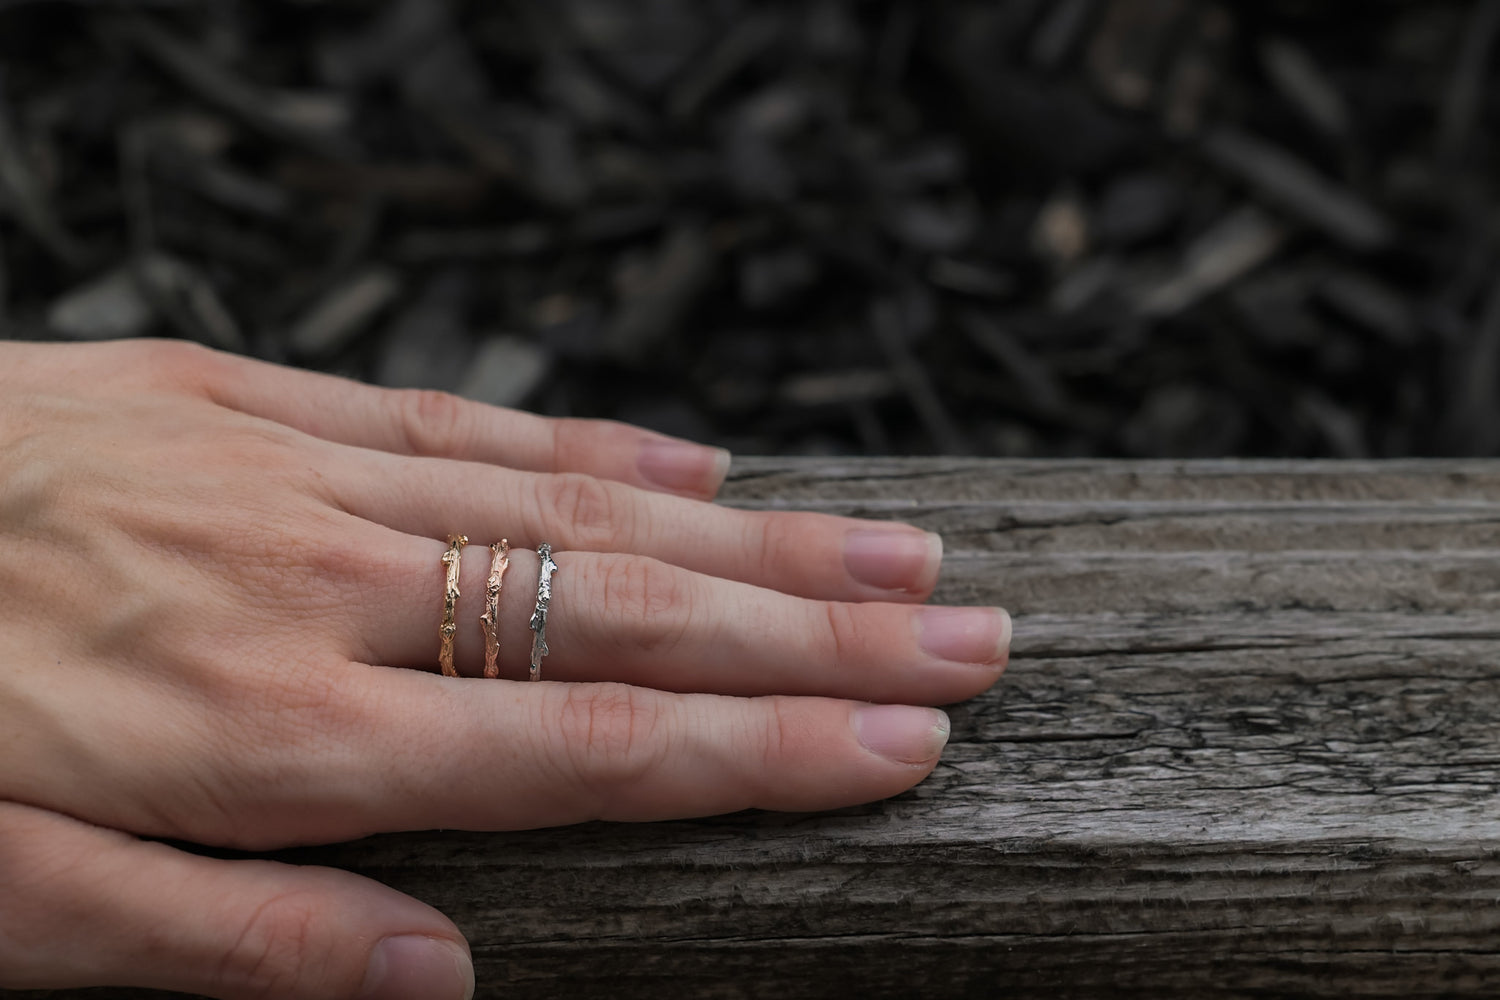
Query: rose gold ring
[449, 627]
[490, 620]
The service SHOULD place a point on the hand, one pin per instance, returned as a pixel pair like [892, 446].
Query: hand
[212, 569]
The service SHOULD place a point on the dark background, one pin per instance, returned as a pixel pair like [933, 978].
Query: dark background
[1037, 227]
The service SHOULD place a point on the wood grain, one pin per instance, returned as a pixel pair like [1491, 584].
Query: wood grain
[1247, 747]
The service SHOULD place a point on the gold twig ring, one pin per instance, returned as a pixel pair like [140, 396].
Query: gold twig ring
[449, 627]
[490, 620]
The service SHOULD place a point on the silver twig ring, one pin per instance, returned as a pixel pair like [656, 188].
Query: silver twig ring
[539, 616]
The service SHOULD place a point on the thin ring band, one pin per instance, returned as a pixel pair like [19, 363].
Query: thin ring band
[449, 627]
[539, 616]
[490, 620]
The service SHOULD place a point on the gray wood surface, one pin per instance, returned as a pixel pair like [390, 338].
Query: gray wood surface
[1248, 746]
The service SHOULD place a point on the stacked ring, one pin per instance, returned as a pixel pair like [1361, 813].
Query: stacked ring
[539, 616]
[490, 621]
[449, 627]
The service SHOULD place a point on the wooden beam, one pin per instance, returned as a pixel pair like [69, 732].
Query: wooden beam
[1248, 746]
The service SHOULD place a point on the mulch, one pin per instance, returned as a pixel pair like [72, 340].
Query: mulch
[1035, 227]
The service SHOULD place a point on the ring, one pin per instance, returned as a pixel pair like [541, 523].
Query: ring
[449, 627]
[490, 620]
[539, 616]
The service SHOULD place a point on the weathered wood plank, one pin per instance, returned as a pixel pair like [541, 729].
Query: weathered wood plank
[793, 482]
[1247, 747]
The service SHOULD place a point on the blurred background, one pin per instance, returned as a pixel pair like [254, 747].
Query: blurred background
[1025, 228]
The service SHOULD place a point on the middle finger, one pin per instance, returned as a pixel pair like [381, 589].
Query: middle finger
[813, 555]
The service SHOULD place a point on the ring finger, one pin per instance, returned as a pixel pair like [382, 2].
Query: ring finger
[641, 621]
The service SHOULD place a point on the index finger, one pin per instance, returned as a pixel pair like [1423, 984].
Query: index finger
[433, 424]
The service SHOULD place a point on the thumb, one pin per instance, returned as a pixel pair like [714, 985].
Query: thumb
[84, 906]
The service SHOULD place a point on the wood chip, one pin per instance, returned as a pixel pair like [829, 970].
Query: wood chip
[506, 370]
[1303, 84]
[656, 293]
[1294, 187]
[888, 326]
[23, 197]
[839, 388]
[1474, 412]
[746, 40]
[1130, 47]
[1371, 305]
[280, 117]
[969, 277]
[344, 313]
[1238, 244]
[129, 301]
[1034, 381]
[110, 307]
[1061, 31]
[1462, 103]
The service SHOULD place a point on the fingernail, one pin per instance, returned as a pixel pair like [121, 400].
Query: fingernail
[683, 467]
[894, 559]
[964, 635]
[902, 733]
[410, 966]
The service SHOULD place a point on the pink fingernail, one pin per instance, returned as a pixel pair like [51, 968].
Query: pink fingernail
[683, 467]
[411, 965]
[902, 733]
[898, 559]
[964, 635]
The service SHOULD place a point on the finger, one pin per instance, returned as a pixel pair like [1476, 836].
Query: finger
[640, 621]
[436, 424]
[812, 555]
[431, 751]
[83, 906]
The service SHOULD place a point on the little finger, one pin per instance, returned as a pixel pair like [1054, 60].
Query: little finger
[438, 424]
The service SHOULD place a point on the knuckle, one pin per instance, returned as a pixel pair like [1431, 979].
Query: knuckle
[173, 357]
[281, 461]
[611, 738]
[309, 707]
[270, 449]
[571, 444]
[843, 633]
[777, 734]
[280, 946]
[354, 562]
[579, 443]
[182, 364]
[642, 601]
[777, 540]
[304, 710]
[328, 564]
[433, 422]
[586, 509]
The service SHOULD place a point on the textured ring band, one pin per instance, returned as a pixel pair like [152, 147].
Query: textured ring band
[449, 627]
[539, 616]
[490, 620]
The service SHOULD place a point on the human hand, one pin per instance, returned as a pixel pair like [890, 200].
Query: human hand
[212, 569]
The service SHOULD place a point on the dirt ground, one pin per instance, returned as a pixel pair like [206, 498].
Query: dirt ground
[1034, 227]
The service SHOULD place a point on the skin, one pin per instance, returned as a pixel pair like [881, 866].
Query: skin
[220, 586]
